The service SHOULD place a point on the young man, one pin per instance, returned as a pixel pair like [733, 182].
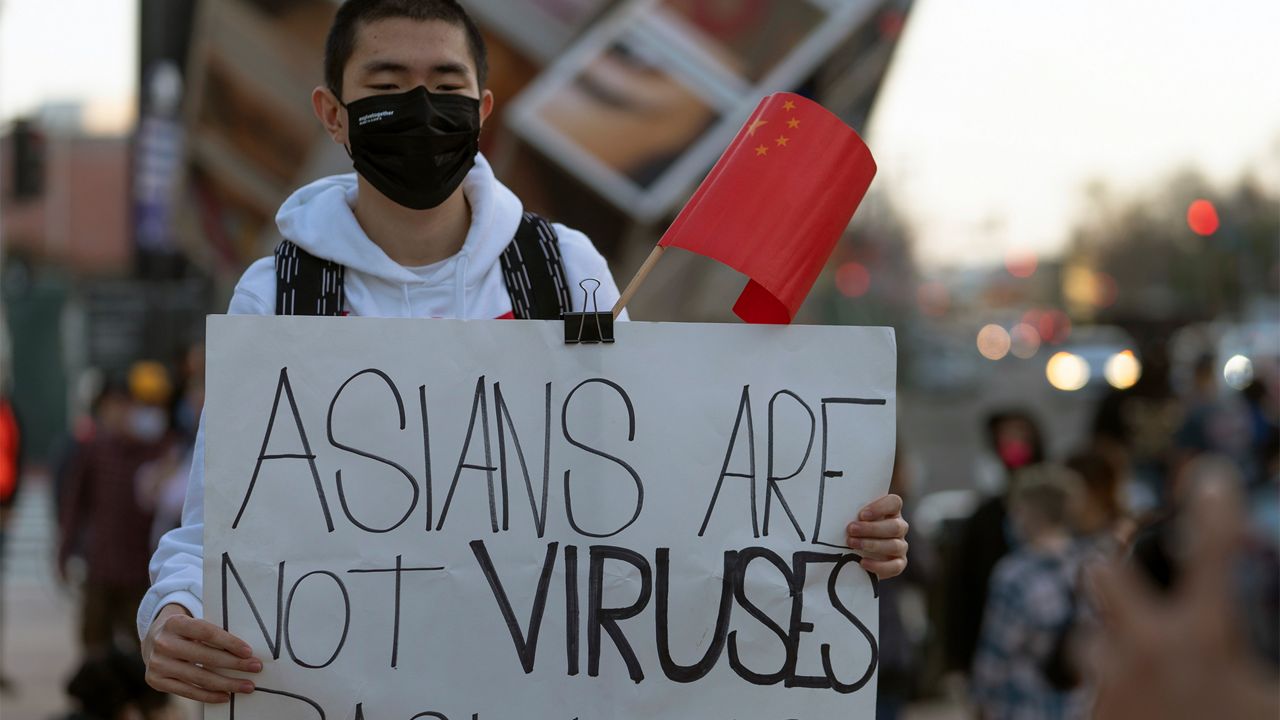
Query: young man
[419, 231]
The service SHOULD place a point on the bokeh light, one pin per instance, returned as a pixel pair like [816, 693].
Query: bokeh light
[1021, 263]
[1085, 287]
[934, 299]
[1067, 372]
[1238, 372]
[1202, 218]
[994, 342]
[1077, 285]
[1123, 370]
[1026, 340]
[853, 280]
[1052, 325]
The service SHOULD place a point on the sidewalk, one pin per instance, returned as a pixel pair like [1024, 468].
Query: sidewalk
[39, 647]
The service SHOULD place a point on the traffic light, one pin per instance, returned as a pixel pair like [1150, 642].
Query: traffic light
[28, 161]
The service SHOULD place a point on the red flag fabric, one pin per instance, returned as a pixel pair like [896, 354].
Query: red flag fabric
[776, 203]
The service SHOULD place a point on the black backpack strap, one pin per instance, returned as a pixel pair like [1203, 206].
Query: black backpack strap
[534, 272]
[307, 285]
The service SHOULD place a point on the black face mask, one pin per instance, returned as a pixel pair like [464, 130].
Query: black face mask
[415, 147]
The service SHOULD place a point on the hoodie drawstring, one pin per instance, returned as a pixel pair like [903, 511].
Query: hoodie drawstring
[460, 283]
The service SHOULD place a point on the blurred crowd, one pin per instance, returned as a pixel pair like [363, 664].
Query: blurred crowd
[1012, 621]
[119, 480]
[997, 610]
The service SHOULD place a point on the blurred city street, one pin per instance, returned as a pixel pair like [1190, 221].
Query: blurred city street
[1068, 214]
[39, 622]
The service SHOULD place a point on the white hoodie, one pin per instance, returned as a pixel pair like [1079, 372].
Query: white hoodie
[469, 285]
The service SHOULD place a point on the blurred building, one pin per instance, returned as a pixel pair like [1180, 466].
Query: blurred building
[251, 138]
[66, 194]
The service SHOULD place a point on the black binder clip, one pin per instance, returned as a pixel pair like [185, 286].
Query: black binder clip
[586, 328]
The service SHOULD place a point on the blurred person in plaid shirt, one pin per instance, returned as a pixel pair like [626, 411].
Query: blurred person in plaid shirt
[1023, 668]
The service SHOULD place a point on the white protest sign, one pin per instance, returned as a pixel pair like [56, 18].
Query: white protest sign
[475, 521]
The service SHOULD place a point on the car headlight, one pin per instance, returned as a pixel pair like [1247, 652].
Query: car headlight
[1123, 370]
[1068, 372]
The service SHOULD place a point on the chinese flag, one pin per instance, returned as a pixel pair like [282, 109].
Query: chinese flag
[775, 204]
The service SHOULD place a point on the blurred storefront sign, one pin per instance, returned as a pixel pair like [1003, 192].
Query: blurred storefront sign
[164, 40]
[640, 107]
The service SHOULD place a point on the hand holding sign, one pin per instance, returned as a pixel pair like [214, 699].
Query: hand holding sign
[184, 656]
[880, 535]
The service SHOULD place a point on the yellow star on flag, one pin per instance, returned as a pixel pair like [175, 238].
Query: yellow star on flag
[762, 150]
[755, 125]
[793, 123]
[782, 140]
[788, 105]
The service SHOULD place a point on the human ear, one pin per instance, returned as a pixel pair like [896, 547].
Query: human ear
[486, 106]
[330, 113]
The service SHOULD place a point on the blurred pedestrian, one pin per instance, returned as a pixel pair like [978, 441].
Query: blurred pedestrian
[111, 685]
[1263, 430]
[1264, 498]
[985, 537]
[10, 476]
[1214, 422]
[1024, 667]
[94, 394]
[1102, 522]
[901, 648]
[101, 514]
[10, 457]
[162, 483]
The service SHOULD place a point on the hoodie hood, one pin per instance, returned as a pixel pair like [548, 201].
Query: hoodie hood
[319, 219]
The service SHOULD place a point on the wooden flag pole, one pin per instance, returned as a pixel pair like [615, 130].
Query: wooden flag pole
[638, 280]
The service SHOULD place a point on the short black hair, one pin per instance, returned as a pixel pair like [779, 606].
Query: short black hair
[342, 34]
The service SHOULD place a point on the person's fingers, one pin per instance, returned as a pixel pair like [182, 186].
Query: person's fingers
[174, 686]
[884, 569]
[1122, 598]
[892, 528]
[883, 507]
[1214, 519]
[879, 549]
[200, 677]
[210, 634]
[1095, 657]
[210, 657]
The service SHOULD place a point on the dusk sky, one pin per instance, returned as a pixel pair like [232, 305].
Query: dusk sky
[995, 117]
